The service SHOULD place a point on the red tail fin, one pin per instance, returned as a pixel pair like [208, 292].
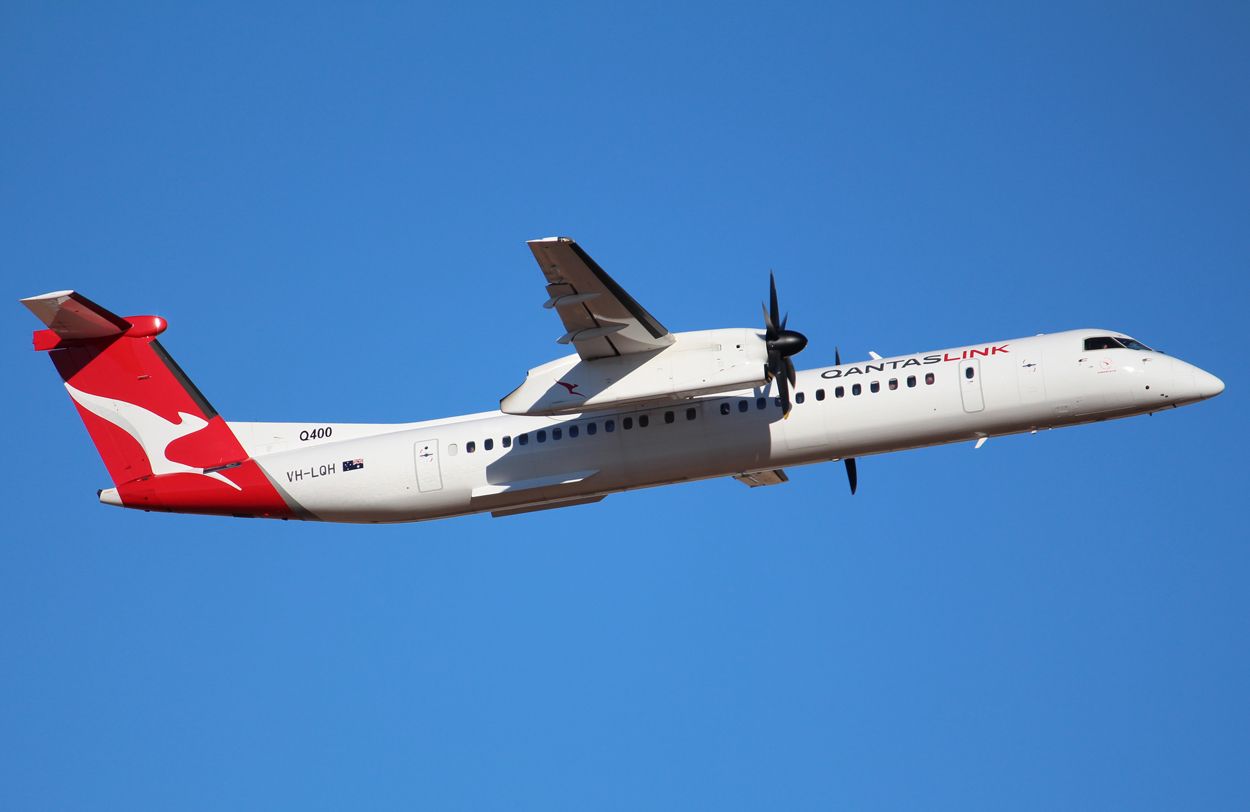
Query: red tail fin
[164, 445]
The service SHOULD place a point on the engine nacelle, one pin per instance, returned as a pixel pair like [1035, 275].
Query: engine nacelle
[696, 363]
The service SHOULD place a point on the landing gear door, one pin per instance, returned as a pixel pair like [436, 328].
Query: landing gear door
[429, 475]
[970, 385]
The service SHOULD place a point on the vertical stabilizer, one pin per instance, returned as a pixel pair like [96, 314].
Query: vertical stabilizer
[164, 445]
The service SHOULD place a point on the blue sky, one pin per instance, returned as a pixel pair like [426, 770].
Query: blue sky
[330, 203]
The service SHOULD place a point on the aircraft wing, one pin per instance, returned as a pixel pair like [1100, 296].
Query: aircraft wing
[600, 319]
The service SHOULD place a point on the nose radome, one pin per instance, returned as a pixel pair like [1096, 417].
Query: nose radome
[1208, 385]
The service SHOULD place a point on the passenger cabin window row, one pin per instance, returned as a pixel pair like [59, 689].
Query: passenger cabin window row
[572, 431]
[642, 421]
[838, 392]
[892, 384]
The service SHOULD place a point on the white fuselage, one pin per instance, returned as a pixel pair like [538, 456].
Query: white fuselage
[412, 472]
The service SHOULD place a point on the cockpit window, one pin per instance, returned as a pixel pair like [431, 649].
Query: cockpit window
[1112, 343]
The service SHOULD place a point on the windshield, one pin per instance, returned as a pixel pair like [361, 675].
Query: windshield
[1113, 343]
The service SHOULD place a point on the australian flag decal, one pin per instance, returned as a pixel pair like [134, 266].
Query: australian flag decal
[353, 465]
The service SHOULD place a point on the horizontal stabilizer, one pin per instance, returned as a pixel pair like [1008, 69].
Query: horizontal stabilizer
[71, 315]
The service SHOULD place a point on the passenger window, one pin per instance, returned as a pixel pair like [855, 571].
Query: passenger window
[724, 408]
[627, 423]
[669, 417]
[470, 447]
[743, 406]
[874, 387]
[506, 440]
[522, 439]
[893, 384]
[609, 426]
[839, 392]
[798, 397]
[856, 389]
[556, 434]
[591, 428]
[488, 444]
[643, 421]
[928, 379]
[690, 413]
[911, 381]
[777, 402]
[541, 435]
[452, 450]
[969, 373]
[573, 431]
[820, 394]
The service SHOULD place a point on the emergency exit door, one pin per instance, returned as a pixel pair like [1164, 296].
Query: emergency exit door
[429, 475]
[970, 385]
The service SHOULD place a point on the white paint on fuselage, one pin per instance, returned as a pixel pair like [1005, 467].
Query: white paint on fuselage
[1029, 384]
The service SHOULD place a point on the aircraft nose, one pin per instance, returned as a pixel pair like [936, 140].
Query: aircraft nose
[1208, 385]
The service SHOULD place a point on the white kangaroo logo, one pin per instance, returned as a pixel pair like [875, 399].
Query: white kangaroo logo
[151, 431]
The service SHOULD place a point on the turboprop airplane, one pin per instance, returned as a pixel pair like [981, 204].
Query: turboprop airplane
[634, 406]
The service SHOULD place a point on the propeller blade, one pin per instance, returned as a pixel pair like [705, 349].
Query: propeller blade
[851, 473]
[837, 357]
[790, 373]
[770, 329]
[774, 316]
[783, 387]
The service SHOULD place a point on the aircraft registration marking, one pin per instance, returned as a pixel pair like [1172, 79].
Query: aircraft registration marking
[325, 469]
[311, 472]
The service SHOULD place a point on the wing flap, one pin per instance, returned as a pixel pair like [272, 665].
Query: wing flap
[516, 511]
[758, 479]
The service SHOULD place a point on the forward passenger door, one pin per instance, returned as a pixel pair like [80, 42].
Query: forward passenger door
[970, 385]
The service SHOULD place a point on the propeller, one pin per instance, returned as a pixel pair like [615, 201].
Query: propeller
[782, 344]
[852, 474]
